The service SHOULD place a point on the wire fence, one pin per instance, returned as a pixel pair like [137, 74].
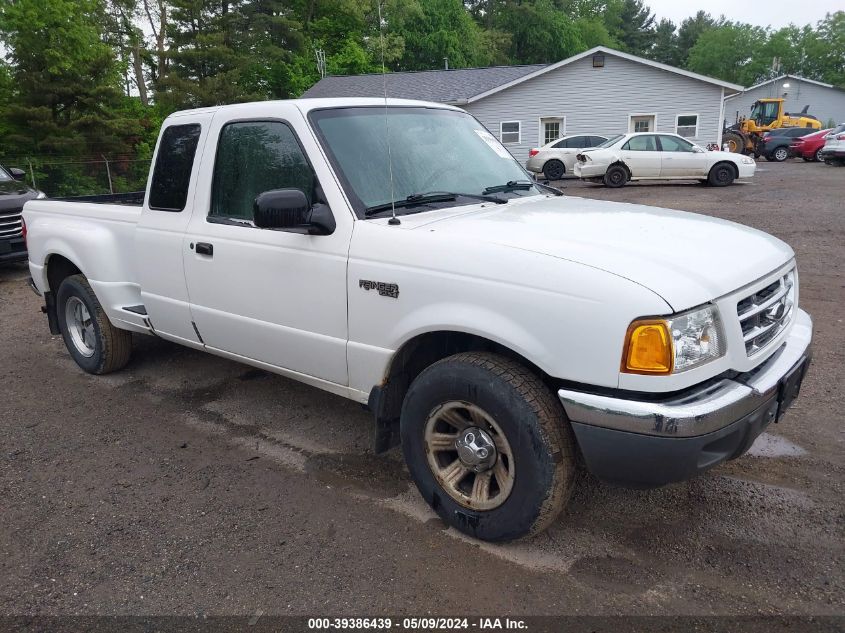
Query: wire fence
[60, 177]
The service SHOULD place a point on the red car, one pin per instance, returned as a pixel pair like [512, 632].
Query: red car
[809, 146]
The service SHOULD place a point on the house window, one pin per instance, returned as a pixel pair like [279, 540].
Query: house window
[687, 125]
[510, 132]
[641, 122]
[551, 129]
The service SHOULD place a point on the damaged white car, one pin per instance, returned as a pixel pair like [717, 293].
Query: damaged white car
[650, 156]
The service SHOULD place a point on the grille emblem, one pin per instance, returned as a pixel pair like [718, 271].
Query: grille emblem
[775, 312]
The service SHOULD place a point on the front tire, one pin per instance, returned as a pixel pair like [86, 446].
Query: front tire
[554, 169]
[488, 446]
[817, 157]
[94, 343]
[616, 176]
[721, 175]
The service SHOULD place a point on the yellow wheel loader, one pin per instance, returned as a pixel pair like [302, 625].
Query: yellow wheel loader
[766, 114]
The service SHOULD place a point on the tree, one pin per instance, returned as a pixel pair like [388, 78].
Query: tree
[728, 52]
[539, 32]
[436, 30]
[66, 79]
[205, 63]
[632, 24]
[665, 49]
[689, 32]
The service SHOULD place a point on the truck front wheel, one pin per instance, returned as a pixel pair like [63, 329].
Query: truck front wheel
[94, 343]
[488, 446]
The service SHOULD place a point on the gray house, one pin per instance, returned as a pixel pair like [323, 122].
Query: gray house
[826, 102]
[601, 91]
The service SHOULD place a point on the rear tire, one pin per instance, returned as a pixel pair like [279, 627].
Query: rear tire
[94, 343]
[554, 169]
[780, 154]
[616, 176]
[528, 476]
[721, 175]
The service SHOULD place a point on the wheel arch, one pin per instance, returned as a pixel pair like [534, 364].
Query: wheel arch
[621, 163]
[556, 159]
[731, 164]
[414, 356]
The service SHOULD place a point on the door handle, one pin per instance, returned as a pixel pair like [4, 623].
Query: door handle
[204, 248]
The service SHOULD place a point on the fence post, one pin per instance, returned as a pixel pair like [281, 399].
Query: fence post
[32, 174]
[108, 173]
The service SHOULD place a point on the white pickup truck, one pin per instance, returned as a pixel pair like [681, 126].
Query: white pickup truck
[393, 252]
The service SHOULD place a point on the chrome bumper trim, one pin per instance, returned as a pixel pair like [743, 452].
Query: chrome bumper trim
[697, 413]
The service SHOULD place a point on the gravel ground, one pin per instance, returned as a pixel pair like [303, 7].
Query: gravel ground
[188, 484]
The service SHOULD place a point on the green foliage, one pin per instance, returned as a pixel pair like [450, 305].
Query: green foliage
[73, 68]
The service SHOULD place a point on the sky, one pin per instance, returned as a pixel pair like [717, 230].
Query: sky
[775, 13]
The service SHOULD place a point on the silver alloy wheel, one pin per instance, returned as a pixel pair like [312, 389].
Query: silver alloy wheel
[80, 326]
[469, 455]
[781, 154]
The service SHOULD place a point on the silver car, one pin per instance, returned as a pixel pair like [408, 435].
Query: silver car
[833, 152]
[557, 158]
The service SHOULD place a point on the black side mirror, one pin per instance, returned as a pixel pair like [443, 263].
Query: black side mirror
[289, 209]
[17, 174]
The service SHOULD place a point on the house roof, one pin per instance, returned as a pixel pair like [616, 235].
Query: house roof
[442, 86]
[781, 77]
[466, 85]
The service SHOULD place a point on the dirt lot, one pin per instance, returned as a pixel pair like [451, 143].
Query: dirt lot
[187, 484]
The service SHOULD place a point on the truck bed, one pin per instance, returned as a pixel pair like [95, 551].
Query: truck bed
[132, 199]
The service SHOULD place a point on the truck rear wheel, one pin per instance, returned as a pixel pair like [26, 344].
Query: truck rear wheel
[488, 446]
[94, 343]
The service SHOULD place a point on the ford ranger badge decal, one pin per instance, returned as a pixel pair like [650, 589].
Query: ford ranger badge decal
[384, 289]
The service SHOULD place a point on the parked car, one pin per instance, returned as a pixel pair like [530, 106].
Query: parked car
[809, 147]
[13, 194]
[775, 145]
[557, 158]
[662, 156]
[833, 151]
[499, 330]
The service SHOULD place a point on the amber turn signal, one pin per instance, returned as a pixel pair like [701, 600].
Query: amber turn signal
[648, 348]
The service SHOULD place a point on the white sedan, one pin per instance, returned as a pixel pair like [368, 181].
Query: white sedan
[650, 156]
[557, 158]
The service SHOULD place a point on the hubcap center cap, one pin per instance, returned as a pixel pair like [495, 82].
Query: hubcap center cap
[476, 449]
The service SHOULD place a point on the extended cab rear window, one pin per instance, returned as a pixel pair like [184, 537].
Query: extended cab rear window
[172, 173]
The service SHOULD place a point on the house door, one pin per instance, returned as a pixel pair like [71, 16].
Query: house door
[641, 123]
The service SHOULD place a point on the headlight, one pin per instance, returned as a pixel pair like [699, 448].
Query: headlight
[41, 195]
[747, 160]
[673, 344]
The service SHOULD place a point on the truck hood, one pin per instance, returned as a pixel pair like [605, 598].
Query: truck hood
[686, 258]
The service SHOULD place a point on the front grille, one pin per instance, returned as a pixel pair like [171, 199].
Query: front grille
[765, 313]
[10, 224]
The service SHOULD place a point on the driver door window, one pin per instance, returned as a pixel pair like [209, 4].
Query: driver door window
[254, 157]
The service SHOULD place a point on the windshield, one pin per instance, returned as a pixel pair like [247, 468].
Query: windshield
[431, 150]
[611, 141]
[4, 175]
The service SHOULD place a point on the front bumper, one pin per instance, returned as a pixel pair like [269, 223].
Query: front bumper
[12, 250]
[833, 153]
[646, 443]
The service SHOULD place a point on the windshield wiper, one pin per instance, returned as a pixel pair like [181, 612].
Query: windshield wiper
[416, 199]
[511, 185]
